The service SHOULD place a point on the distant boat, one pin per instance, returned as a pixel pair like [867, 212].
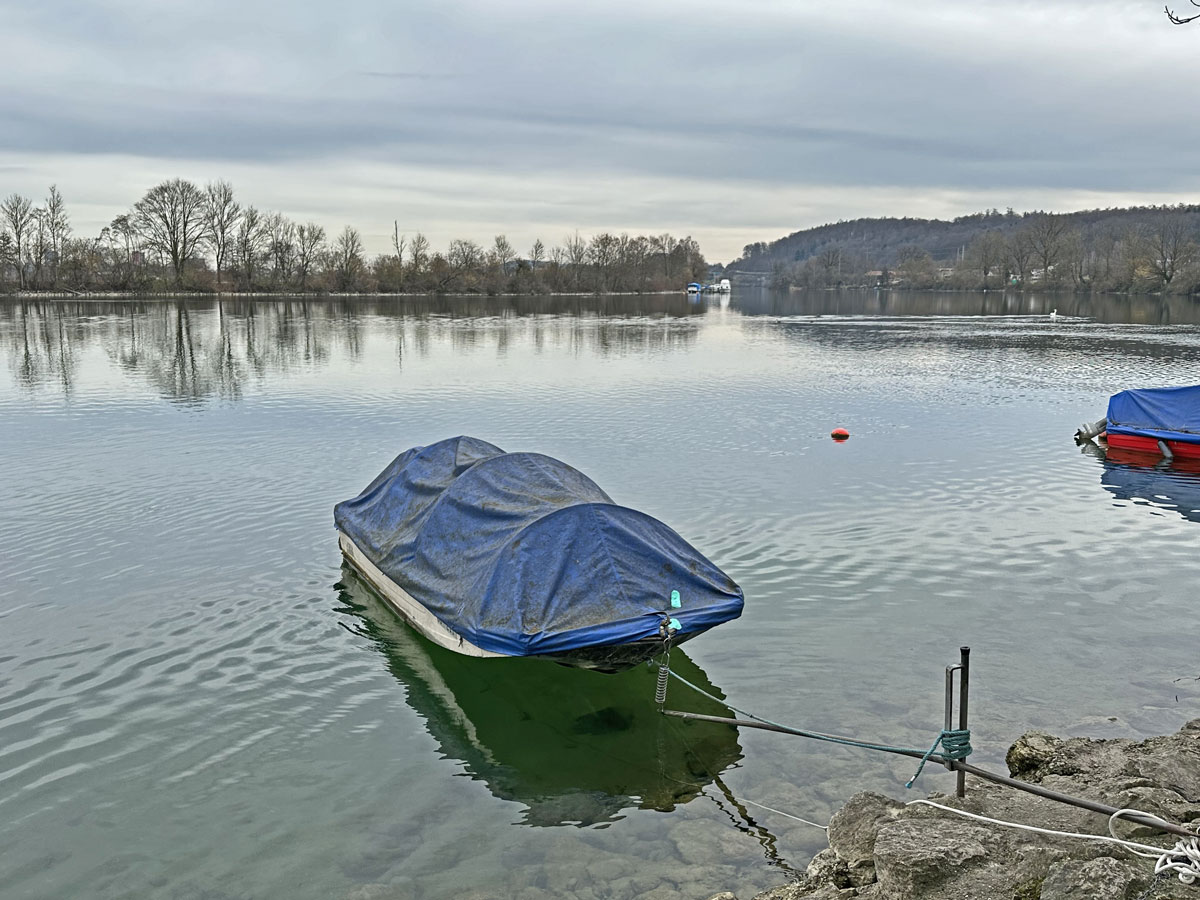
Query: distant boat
[695, 287]
[718, 287]
[1159, 421]
[495, 554]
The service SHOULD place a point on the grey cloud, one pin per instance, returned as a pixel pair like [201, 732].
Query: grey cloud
[667, 142]
[785, 94]
[411, 76]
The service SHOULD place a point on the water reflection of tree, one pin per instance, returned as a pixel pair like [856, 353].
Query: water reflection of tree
[192, 353]
[42, 339]
[197, 351]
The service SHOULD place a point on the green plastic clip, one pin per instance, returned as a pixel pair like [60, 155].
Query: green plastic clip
[674, 625]
[675, 601]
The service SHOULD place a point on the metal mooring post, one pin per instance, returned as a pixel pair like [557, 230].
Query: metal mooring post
[964, 678]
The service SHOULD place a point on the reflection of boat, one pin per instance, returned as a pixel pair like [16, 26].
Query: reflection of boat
[516, 554]
[1146, 478]
[1163, 421]
[575, 747]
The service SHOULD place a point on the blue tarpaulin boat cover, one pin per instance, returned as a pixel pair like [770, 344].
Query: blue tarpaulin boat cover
[1161, 413]
[523, 555]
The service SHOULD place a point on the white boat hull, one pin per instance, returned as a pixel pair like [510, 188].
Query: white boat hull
[407, 606]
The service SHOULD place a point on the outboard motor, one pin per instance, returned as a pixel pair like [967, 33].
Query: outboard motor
[1087, 432]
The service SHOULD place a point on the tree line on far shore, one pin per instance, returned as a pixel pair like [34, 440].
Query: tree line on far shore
[181, 236]
[1140, 250]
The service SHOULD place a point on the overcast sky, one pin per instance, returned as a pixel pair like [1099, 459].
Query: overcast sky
[730, 120]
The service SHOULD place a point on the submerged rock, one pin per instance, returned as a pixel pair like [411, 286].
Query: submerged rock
[880, 849]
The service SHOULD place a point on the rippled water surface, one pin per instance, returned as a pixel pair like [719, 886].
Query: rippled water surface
[197, 702]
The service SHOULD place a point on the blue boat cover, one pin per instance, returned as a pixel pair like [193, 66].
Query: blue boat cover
[523, 555]
[1160, 413]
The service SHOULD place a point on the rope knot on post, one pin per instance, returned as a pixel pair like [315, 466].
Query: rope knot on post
[955, 744]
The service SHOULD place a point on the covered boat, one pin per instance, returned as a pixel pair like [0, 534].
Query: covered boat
[517, 554]
[1162, 421]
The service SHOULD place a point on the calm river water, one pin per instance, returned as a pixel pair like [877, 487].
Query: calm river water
[197, 702]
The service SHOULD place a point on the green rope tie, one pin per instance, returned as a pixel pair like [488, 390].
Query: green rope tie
[955, 744]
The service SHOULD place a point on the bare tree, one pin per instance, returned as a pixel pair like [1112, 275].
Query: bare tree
[503, 252]
[1076, 258]
[81, 261]
[7, 254]
[603, 254]
[1046, 233]
[58, 229]
[310, 244]
[986, 254]
[1168, 246]
[1181, 20]
[124, 254]
[38, 246]
[250, 244]
[347, 258]
[170, 218]
[831, 261]
[17, 214]
[418, 254]
[537, 253]
[557, 261]
[1019, 250]
[664, 246]
[464, 258]
[221, 214]
[282, 247]
[398, 242]
[577, 250]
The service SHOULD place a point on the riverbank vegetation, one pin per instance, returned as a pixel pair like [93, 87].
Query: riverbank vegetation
[1137, 250]
[180, 236]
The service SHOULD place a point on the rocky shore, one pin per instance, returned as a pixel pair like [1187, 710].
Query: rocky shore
[884, 850]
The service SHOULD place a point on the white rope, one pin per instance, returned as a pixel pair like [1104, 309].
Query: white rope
[780, 812]
[1182, 860]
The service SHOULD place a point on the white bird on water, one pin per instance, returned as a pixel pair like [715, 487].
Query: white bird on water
[1054, 313]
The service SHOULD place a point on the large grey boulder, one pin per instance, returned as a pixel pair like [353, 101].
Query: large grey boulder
[1103, 878]
[853, 831]
[914, 856]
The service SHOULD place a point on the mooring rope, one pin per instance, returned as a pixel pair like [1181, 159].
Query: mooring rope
[955, 744]
[780, 812]
[1182, 860]
[956, 747]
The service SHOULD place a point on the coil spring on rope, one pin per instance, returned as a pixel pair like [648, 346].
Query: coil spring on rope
[660, 690]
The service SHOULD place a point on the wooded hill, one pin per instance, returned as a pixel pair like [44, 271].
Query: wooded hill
[1140, 248]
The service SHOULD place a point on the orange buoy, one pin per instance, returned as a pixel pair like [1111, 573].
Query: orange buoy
[840, 434]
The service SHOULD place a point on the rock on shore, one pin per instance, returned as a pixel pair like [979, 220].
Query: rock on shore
[883, 850]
